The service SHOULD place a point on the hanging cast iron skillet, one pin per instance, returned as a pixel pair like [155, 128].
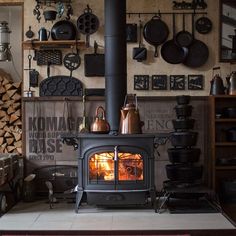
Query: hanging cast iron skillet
[155, 32]
[203, 25]
[87, 23]
[63, 30]
[198, 52]
[171, 52]
[184, 38]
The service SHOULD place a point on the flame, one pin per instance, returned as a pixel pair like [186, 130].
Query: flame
[102, 166]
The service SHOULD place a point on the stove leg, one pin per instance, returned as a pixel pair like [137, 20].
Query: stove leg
[153, 198]
[79, 196]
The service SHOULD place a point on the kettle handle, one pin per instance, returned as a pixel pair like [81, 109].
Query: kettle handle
[103, 111]
[135, 97]
[214, 69]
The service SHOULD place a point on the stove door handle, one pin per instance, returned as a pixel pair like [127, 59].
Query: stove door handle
[116, 153]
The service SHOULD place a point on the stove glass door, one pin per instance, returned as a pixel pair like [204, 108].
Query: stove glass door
[106, 166]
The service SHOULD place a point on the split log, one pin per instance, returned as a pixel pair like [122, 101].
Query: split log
[5, 97]
[16, 97]
[10, 148]
[6, 128]
[17, 85]
[11, 92]
[8, 86]
[2, 113]
[7, 135]
[13, 118]
[19, 150]
[7, 104]
[18, 122]
[17, 136]
[1, 140]
[2, 132]
[18, 144]
[17, 113]
[5, 118]
[16, 105]
[10, 110]
[2, 89]
[10, 140]
[2, 124]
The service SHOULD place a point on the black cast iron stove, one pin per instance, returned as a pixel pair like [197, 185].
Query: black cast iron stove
[114, 170]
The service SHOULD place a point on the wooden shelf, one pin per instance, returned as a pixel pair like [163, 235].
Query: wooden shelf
[223, 96]
[35, 44]
[225, 120]
[225, 144]
[225, 167]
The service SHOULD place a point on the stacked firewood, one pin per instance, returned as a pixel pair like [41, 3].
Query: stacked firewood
[10, 115]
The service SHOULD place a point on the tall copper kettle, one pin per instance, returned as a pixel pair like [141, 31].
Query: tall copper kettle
[231, 82]
[130, 120]
[100, 125]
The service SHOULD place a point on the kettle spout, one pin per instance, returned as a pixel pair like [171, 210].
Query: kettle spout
[124, 114]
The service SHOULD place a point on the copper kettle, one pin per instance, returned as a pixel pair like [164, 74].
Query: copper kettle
[130, 120]
[100, 125]
[231, 82]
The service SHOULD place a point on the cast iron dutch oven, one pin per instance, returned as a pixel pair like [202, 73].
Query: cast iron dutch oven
[183, 111]
[155, 32]
[183, 139]
[171, 52]
[183, 99]
[183, 155]
[63, 30]
[182, 172]
[183, 124]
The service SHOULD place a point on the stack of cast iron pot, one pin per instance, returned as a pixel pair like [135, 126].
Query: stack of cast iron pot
[183, 169]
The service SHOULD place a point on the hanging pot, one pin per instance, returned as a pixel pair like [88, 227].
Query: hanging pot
[203, 25]
[183, 99]
[63, 30]
[50, 15]
[100, 125]
[155, 32]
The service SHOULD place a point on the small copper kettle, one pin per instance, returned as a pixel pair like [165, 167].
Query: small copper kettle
[100, 125]
[130, 120]
[231, 82]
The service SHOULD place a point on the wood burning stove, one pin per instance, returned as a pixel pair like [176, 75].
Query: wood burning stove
[115, 170]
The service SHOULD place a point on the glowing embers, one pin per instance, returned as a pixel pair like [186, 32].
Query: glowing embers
[102, 166]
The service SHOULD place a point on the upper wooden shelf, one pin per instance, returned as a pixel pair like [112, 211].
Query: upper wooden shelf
[35, 44]
[225, 120]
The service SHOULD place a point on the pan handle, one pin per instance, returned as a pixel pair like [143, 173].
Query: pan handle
[156, 51]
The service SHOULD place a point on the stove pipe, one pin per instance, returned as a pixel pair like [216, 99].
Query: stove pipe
[115, 60]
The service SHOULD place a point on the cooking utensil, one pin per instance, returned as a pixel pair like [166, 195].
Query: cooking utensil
[203, 25]
[231, 134]
[94, 64]
[231, 82]
[130, 121]
[87, 23]
[155, 32]
[185, 173]
[50, 15]
[183, 155]
[29, 34]
[44, 56]
[171, 52]
[100, 125]
[140, 53]
[217, 85]
[198, 52]
[183, 124]
[183, 139]
[83, 128]
[63, 30]
[183, 111]
[184, 38]
[43, 34]
[131, 33]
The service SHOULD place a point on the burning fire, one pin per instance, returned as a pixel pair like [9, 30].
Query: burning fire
[129, 165]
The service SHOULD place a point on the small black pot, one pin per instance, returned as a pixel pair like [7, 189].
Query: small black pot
[183, 139]
[183, 155]
[231, 134]
[229, 112]
[50, 15]
[185, 173]
[183, 124]
[183, 111]
[183, 99]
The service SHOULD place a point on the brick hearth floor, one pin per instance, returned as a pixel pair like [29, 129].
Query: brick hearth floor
[38, 216]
